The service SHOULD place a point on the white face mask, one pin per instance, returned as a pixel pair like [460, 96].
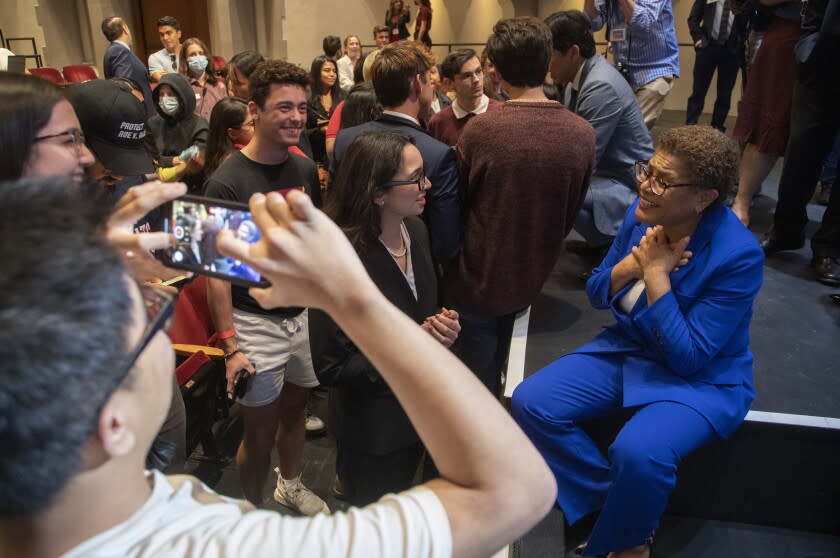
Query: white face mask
[169, 105]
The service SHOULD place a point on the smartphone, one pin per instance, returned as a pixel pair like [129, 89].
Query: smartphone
[195, 222]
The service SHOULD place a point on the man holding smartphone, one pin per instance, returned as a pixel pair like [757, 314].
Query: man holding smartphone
[271, 345]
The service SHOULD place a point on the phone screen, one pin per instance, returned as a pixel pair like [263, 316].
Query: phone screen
[195, 222]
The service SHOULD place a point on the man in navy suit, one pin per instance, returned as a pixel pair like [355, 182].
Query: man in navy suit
[120, 61]
[400, 77]
[596, 91]
[719, 38]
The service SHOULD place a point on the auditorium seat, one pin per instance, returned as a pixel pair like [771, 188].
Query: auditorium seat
[79, 73]
[220, 65]
[49, 74]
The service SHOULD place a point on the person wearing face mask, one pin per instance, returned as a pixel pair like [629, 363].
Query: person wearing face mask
[176, 128]
[196, 64]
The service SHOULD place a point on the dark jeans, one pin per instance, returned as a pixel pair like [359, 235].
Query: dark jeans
[814, 122]
[483, 345]
[726, 62]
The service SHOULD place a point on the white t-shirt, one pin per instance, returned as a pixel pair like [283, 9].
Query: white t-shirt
[161, 61]
[345, 73]
[184, 518]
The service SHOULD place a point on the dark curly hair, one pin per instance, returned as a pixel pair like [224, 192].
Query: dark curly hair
[708, 156]
[272, 72]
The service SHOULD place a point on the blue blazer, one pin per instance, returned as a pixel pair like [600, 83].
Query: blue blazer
[441, 167]
[692, 345]
[120, 61]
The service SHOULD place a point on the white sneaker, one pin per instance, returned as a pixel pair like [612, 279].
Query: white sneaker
[314, 424]
[294, 495]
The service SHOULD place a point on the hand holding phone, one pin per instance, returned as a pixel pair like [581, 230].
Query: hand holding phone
[195, 222]
[238, 369]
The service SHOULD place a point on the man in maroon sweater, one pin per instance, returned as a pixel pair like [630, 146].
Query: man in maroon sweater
[525, 168]
[461, 71]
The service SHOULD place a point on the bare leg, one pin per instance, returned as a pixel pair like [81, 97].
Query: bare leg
[641, 551]
[254, 455]
[291, 431]
[755, 166]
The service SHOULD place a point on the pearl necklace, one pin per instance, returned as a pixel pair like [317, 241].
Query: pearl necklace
[395, 254]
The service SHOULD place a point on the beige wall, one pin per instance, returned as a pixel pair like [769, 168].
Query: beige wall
[678, 97]
[67, 31]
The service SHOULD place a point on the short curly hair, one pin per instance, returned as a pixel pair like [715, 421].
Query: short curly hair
[708, 156]
[274, 71]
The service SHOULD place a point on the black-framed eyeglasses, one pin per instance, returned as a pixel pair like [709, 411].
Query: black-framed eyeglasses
[159, 306]
[420, 181]
[657, 185]
[73, 137]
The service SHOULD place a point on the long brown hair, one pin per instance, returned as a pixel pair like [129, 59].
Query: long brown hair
[183, 65]
[372, 160]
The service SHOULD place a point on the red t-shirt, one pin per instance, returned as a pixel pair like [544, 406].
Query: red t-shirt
[335, 121]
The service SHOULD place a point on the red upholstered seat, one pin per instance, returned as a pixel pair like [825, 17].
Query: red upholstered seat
[219, 63]
[192, 324]
[49, 74]
[79, 73]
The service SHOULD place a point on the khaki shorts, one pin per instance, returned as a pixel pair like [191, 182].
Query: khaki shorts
[279, 350]
[651, 98]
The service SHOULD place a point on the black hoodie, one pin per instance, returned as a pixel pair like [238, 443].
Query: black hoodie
[173, 134]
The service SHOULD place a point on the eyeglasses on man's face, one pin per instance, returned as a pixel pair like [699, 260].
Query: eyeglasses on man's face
[656, 185]
[420, 181]
[159, 307]
[69, 138]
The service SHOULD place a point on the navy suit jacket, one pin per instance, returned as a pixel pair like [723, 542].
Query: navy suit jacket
[439, 164]
[692, 345]
[607, 102]
[120, 61]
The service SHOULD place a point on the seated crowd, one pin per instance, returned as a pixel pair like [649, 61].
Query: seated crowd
[445, 208]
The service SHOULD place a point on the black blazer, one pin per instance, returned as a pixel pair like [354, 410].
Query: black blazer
[701, 21]
[441, 167]
[366, 415]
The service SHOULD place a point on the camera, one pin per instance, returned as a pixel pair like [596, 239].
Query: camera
[623, 69]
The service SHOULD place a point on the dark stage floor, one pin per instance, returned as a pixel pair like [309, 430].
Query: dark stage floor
[794, 330]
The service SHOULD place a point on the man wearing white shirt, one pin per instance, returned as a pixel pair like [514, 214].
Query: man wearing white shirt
[82, 415]
[166, 60]
[718, 36]
[461, 71]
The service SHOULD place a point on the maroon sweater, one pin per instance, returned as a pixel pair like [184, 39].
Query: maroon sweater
[525, 168]
[446, 128]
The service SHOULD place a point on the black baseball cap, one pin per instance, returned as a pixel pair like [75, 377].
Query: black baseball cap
[114, 124]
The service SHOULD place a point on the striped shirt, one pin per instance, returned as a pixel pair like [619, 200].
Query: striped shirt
[650, 50]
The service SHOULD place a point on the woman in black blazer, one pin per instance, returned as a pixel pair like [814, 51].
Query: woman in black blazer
[377, 198]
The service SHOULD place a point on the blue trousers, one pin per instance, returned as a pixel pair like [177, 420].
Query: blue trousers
[631, 485]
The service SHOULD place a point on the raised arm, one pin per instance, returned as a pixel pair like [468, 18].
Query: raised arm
[494, 485]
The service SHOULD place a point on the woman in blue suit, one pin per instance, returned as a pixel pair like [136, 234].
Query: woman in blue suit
[680, 279]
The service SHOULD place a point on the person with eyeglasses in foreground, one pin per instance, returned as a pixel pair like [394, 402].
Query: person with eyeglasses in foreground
[680, 279]
[82, 415]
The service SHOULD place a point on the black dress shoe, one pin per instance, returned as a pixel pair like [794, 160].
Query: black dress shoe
[828, 270]
[773, 243]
